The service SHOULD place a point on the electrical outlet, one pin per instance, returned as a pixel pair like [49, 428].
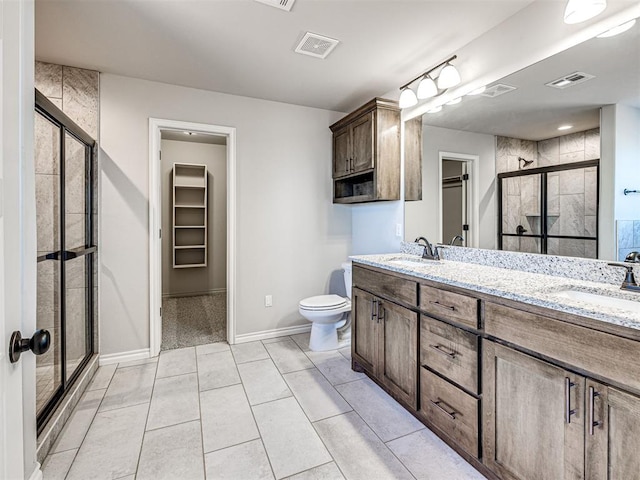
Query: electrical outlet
[268, 301]
[398, 229]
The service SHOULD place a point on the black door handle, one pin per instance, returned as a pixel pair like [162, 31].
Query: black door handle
[38, 344]
[520, 230]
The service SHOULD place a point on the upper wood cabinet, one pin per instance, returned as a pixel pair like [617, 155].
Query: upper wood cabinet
[366, 154]
[413, 159]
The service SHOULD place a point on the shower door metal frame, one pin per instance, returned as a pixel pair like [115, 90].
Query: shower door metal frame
[543, 171]
[65, 125]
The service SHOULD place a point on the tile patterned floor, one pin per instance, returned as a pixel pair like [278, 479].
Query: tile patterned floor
[260, 410]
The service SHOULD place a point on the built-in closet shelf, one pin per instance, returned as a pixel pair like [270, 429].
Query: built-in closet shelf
[189, 215]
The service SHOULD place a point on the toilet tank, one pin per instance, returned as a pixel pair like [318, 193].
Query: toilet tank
[347, 277]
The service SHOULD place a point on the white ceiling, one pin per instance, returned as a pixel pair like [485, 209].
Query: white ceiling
[193, 137]
[246, 48]
[534, 111]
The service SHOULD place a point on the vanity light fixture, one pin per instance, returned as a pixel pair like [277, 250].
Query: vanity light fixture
[428, 87]
[581, 10]
[618, 30]
[455, 101]
[478, 91]
[407, 98]
[435, 109]
[565, 127]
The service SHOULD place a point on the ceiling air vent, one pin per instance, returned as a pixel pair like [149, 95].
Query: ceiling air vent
[497, 90]
[570, 80]
[281, 4]
[316, 45]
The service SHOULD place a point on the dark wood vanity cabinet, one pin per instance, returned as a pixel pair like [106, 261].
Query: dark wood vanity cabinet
[366, 154]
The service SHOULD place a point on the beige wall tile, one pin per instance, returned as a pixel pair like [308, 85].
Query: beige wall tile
[48, 79]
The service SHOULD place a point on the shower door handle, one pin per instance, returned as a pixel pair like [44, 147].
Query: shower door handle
[78, 252]
[38, 344]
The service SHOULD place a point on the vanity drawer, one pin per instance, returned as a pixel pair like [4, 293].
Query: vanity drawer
[450, 409]
[450, 351]
[602, 354]
[449, 306]
[390, 286]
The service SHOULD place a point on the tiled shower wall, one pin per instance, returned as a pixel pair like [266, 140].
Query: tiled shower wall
[572, 195]
[76, 92]
[628, 238]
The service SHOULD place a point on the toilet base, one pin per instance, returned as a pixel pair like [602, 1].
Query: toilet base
[324, 336]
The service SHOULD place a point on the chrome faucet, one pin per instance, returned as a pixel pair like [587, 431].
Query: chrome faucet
[629, 282]
[457, 237]
[430, 252]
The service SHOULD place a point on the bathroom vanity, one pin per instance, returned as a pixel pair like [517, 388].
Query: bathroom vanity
[523, 379]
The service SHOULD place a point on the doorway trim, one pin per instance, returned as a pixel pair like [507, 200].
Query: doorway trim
[473, 205]
[155, 223]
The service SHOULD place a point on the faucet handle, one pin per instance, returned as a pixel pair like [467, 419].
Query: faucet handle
[629, 279]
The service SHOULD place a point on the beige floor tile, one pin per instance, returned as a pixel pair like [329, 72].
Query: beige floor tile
[427, 457]
[263, 382]
[302, 340]
[212, 348]
[175, 400]
[142, 361]
[78, 424]
[288, 357]
[245, 461]
[129, 386]
[217, 370]
[291, 442]
[366, 457]
[328, 471]
[381, 412]
[249, 352]
[317, 397]
[56, 466]
[172, 453]
[226, 418]
[176, 362]
[102, 377]
[335, 367]
[112, 445]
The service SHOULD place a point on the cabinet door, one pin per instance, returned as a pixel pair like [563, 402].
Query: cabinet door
[364, 333]
[399, 351]
[362, 146]
[533, 417]
[613, 441]
[341, 153]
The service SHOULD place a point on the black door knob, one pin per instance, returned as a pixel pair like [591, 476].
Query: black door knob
[38, 344]
[520, 230]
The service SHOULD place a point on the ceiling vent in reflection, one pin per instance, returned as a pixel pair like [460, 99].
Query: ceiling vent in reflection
[497, 90]
[316, 45]
[281, 4]
[570, 80]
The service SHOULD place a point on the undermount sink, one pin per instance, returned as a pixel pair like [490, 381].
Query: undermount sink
[600, 300]
[411, 262]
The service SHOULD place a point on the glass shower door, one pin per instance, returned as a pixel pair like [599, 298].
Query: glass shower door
[65, 217]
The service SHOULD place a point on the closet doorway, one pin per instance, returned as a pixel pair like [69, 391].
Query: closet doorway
[192, 213]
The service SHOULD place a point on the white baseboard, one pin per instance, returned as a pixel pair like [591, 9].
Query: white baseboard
[124, 356]
[194, 294]
[278, 332]
[37, 473]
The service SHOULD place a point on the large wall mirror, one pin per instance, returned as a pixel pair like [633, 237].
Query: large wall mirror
[497, 170]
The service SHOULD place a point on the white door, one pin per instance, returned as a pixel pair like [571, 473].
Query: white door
[17, 239]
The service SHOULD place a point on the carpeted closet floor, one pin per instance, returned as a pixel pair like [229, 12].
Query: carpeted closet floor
[196, 320]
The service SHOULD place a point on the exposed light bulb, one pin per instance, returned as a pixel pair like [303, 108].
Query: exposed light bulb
[435, 109]
[478, 91]
[581, 10]
[618, 30]
[455, 101]
[427, 88]
[407, 98]
[449, 77]
[565, 127]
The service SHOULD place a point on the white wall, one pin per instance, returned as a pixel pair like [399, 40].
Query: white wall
[290, 237]
[213, 277]
[422, 217]
[627, 162]
[374, 227]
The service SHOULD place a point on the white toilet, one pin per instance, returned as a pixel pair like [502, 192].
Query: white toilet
[328, 313]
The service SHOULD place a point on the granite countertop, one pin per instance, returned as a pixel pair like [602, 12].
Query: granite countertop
[532, 288]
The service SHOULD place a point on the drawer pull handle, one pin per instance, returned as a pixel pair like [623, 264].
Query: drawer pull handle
[568, 384]
[440, 349]
[592, 400]
[442, 305]
[439, 406]
[374, 309]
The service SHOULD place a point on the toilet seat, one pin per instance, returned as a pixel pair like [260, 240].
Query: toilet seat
[322, 303]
